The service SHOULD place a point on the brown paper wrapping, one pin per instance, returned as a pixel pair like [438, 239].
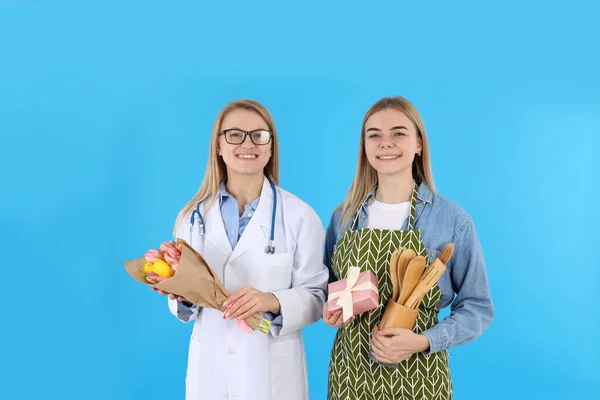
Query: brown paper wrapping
[194, 280]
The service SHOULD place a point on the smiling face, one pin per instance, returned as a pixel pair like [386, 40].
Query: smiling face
[246, 158]
[391, 142]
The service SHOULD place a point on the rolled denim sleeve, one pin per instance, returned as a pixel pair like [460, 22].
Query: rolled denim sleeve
[472, 310]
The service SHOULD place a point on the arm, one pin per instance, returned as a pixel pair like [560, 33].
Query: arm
[302, 304]
[472, 310]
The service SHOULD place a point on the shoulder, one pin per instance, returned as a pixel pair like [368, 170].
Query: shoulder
[449, 213]
[334, 227]
[297, 209]
[335, 222]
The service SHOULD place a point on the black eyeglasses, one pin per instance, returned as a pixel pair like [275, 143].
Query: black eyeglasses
[259, 137]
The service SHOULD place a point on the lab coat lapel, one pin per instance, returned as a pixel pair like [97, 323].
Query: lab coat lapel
[254, 234]
[215, 230]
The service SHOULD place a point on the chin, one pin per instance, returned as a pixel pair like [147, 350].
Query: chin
[248, 171]
[391, 171]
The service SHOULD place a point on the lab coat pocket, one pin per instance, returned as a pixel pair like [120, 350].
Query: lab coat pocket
[276, 272]
[287, 370]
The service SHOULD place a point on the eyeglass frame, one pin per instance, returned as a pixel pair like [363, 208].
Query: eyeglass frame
[247, 134]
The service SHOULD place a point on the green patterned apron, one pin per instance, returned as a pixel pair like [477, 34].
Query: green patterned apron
[352, 374]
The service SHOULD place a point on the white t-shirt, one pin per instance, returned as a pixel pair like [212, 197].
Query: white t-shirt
[387, 216]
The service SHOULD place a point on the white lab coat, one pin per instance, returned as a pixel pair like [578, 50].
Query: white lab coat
[225, 362]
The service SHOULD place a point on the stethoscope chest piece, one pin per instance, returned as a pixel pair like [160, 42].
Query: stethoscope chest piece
[270, 249]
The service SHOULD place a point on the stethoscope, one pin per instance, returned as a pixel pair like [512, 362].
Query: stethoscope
[270, 249]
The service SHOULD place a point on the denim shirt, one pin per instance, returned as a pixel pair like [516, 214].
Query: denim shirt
[464, 285]
[234, 227]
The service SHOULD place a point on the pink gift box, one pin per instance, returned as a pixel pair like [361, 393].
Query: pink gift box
[362, 300]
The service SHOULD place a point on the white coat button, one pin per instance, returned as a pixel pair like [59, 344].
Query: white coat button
[232, 263]
[230, 351]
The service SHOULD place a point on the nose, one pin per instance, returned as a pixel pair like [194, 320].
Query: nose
[386, 142]
[247, 142]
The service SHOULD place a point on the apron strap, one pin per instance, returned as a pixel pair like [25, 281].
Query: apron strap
[413, 207]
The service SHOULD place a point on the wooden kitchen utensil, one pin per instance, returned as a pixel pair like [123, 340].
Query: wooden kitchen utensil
[413, 273]
[430, 277]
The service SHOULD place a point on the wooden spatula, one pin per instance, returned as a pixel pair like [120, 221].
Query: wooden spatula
[413, 273]
[405, 258]
[431, 276]
[394, 273]
[446, 253]
[435, 271]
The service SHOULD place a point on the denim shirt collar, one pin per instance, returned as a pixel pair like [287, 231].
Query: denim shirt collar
[424, 196]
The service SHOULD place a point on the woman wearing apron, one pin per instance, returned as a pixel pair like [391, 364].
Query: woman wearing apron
[391, 204]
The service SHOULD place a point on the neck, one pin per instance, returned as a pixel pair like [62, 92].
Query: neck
[395, 189]
[244, 188]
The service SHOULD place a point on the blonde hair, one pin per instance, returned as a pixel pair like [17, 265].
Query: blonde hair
[216, 170]
[365, 178]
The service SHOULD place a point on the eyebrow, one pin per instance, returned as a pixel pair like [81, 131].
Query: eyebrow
[393, 128]
[240, 129]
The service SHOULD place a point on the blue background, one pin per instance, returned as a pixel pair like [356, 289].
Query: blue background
[105, 114]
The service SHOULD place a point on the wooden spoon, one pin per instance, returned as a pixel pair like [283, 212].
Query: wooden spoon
[394, 273]
[414, 270]
[405, 259]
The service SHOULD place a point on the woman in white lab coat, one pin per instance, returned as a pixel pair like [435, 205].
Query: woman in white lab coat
[288, 286]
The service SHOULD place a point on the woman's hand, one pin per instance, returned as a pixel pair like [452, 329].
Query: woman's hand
[335, 319]
[393, 345]
[248, 301]
[171, 296]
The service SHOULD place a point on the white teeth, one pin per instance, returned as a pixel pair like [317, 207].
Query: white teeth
[247, 156]
[388, 157]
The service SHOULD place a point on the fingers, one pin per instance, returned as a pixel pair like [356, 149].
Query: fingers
[234, 306]
[336, 319]
[382, 357]
[379, 344]
[171, 296]
[344, 324]
[244, 305]
[237, 295]
[159, 291]
[332, 318]
[380, 340]
[249, 312]
[392, 331]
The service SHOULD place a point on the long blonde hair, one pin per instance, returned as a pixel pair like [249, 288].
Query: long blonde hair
[365, 178]
[216, 170]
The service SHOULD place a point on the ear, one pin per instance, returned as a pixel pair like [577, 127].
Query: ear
[419, 145]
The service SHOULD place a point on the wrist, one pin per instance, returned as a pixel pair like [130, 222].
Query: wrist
[422, 343]
[273, 304]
